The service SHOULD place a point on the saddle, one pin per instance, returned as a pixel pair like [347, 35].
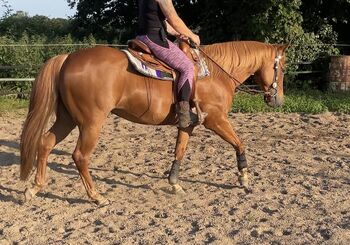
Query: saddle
[141, 51]
[147, 64]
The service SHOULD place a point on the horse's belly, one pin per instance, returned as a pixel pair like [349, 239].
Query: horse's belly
[147, 102]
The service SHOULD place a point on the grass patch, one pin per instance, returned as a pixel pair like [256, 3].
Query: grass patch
[310, 102]
[10, 104]
[339, 103]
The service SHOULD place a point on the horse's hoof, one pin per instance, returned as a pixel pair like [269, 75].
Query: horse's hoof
[29, 194]
[100, 200]
[248, 190]
[177, 189]
[243, 180]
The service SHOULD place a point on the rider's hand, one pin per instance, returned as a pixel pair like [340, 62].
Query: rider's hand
[195, 39]
[183, 37]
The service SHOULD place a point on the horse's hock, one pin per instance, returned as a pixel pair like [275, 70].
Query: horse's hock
[339, 73]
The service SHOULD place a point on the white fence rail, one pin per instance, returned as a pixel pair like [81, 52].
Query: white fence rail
[17, 79]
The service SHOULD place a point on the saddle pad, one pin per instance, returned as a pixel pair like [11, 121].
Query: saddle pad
[203, 68]
[146, 70]
[161, 75]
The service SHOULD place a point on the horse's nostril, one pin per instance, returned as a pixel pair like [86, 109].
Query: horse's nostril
[268, 98]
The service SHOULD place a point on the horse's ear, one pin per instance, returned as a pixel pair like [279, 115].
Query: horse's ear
[282, 48]
[285, 47]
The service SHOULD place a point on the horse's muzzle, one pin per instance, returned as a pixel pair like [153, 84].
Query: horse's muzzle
[273, 100]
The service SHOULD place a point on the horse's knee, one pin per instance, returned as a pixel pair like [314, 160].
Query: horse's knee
[210, 122]
[78, 159]
[44, 149]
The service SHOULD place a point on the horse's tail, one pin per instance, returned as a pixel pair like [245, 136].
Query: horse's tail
[43, 102]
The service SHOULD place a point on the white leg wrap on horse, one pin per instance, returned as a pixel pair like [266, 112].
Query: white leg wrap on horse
[177, 189]
[243, 178]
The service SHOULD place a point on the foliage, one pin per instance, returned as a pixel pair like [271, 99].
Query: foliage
[24, 57]
[273, 21]
[334, 13]
[18, 56]
[15, 25]
[307, 101]
[25, 44]
[311, 27]
[114, 21]
[8, 10]
[10, 104]
[339, 102]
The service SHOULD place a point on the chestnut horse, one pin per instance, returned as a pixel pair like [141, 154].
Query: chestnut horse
[83, 87]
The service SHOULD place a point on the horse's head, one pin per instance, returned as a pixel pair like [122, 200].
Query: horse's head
[270, 76]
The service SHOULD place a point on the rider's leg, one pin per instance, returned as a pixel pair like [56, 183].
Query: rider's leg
[177, 59]
[183, 106]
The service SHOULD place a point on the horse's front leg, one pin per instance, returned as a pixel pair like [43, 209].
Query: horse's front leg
[181, 145]
[217, 121]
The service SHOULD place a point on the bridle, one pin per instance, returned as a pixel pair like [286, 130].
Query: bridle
[274, 85]
[244, 88]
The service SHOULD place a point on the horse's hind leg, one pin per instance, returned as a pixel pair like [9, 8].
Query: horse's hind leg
[87, 141]
[61, 128]
[181, 145]
[219, 123]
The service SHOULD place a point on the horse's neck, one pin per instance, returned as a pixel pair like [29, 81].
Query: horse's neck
[238, 59]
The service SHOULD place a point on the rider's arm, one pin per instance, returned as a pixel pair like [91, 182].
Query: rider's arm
[175, 21]
[171, 30]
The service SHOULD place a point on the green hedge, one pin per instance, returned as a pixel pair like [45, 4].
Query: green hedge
[23, 58]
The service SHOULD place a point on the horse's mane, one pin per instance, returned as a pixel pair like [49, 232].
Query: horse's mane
[239, 56]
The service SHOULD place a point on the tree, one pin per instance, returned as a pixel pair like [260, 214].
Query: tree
[320, 14]
[8, 8]
[273, 21]
[114, 21]
[16, 24]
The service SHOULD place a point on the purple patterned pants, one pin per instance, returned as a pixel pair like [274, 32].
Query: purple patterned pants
[173, 57]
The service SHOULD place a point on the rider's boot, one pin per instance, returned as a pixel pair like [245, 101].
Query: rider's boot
[186, 116]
